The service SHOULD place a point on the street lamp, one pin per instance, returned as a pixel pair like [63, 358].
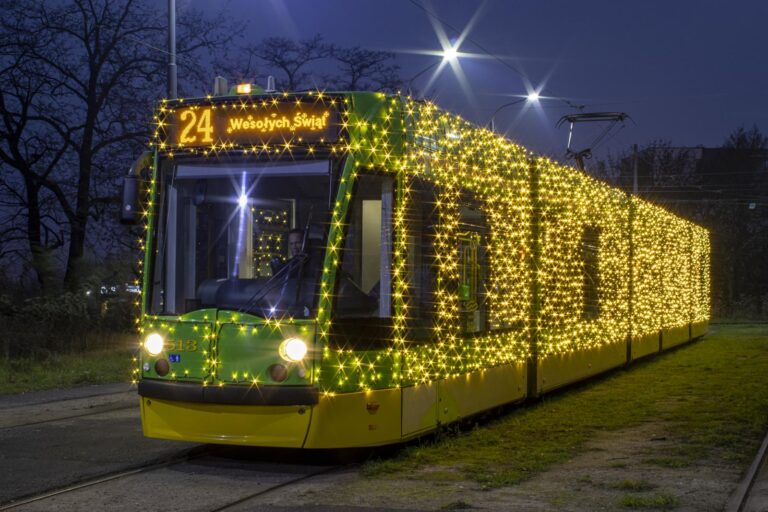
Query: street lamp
[450, 55]
[532, 97]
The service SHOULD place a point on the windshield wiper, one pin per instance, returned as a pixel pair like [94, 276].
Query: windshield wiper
[296, 261]
[285, 271]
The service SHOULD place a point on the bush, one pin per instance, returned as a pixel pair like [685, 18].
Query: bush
[70, 322]
[745, 308]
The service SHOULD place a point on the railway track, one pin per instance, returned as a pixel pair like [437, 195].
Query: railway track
[21, 400]
[740, 499]
[21, 411]
[101, 479]
[5, 424]
[193, 454]
[275, 487]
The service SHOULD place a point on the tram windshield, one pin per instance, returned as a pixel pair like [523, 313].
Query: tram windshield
[245, 238]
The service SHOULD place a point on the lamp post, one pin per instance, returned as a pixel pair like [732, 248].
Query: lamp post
[172, 91]
[417, 75]
[534, 96]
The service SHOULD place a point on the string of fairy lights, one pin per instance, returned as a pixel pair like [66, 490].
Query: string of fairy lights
[667, 277]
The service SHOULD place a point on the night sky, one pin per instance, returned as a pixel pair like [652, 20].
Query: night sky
[689, 71]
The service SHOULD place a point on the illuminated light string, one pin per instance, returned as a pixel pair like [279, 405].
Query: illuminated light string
[411, 139]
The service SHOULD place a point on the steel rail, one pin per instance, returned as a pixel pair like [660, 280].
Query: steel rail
[740, 496]
[184, 456]
[101, 410]
[68, 399]
[276, 486]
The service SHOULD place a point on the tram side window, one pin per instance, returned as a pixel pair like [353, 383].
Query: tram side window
[421, 226]
[364, 285]
[590, 245]
[472, 269]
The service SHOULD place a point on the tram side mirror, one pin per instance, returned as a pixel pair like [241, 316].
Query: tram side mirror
[129, 209]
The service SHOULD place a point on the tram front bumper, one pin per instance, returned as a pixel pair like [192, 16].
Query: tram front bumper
[276, 416]
[283, 426]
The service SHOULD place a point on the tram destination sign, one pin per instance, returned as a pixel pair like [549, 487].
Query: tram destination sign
[252, 122]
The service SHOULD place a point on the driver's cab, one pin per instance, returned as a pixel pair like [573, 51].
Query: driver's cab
[222, 238]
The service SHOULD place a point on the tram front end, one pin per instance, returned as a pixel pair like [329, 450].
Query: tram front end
[238, 201]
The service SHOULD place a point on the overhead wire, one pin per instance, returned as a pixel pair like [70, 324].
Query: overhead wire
[483, 49]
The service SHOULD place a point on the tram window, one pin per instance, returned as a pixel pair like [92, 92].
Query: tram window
[421, 225]
[223, 233]
[590, 245]
[472, 269]
[364, 282]
[157, 303]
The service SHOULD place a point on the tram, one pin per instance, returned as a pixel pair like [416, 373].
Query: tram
[332, 270]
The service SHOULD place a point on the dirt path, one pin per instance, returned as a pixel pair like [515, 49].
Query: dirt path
[636, 468]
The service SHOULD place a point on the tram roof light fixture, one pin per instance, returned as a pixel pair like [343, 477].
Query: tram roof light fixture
[244, 88]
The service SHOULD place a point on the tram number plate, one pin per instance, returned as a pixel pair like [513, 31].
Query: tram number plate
[254, 124]
[174, 358]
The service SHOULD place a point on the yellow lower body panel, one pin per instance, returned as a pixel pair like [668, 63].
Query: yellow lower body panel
[645, 345]
[348, 420]
[699, 328]
[419, 409]
[674, 336]
[386, 416]
[254, 425]
[462, 396]
[562, 369]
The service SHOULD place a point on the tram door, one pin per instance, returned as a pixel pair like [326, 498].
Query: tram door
[420, 400]
[362, 318]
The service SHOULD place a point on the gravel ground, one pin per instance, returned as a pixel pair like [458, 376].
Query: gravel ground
[621, 470]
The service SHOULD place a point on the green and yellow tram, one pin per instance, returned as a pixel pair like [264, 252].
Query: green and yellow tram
[327, 270]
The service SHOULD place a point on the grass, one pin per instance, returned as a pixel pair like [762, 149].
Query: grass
[457, 505]
[661, 501]
[668, 462]
[633, 485]
[721, 408]
[65, 371]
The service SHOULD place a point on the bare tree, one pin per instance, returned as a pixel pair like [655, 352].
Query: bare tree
[749, 140]
[31, 150]
[660, 166]
[96, 66]
[291, 58]
[725, 189]
[736, 213]
[362, 69]
[295, 61]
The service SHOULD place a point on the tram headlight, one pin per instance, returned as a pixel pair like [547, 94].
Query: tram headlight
[293, 350]
[154, 344]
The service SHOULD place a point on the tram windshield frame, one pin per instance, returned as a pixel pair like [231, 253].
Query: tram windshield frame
[222, 231]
